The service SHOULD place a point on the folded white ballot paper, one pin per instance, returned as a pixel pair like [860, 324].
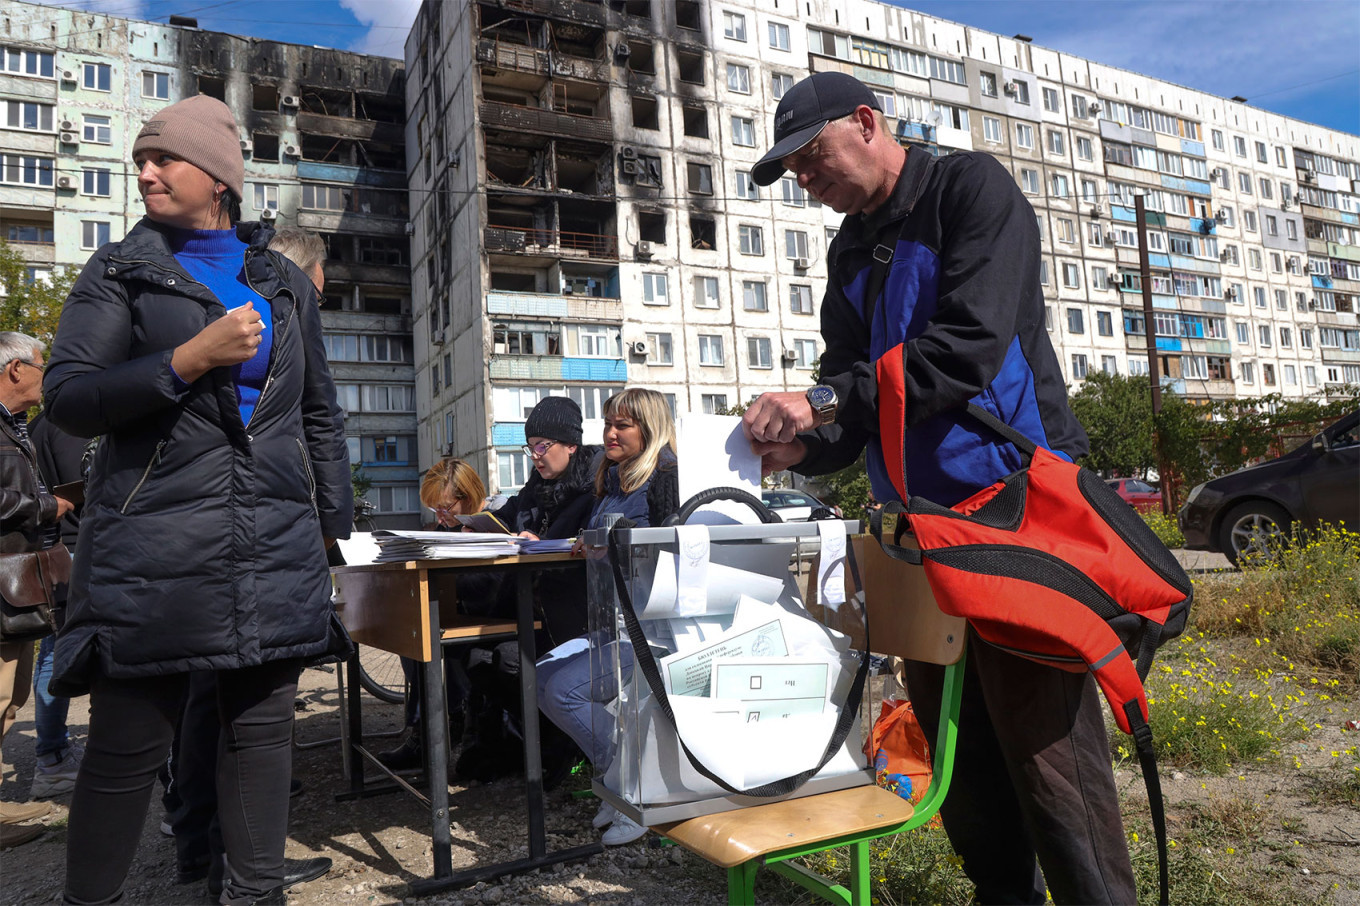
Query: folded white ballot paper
[691, 672]
[766, 688]
[724, 586]
[713, 452]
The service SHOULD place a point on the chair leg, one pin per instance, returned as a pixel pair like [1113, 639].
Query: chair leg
[861, 879]
[741, 883]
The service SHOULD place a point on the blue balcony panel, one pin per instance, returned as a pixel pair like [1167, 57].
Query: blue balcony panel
[1169, 344]
[359, 176]
[1193, 148]
[1165, 302]
[507, 434]
[1203, 225]
[574, 369]
[544, 305]
[1321, 282]
[1194, 265]
[1158, 260]
[1119, 212]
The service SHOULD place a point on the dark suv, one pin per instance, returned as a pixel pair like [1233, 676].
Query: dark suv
[1244, 512]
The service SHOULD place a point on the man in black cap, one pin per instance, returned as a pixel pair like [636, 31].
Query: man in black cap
[933, 301]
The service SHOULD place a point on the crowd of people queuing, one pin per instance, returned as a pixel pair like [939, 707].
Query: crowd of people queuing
[220, 481]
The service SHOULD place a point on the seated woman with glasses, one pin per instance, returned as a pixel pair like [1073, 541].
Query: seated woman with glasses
[636, 479]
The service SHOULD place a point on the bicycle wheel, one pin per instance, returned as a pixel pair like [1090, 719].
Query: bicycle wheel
[380, 674]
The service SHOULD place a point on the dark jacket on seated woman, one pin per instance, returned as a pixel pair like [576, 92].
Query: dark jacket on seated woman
[557, 507]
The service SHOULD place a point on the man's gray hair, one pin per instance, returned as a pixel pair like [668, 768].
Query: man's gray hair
[302, 247]
[15, 345]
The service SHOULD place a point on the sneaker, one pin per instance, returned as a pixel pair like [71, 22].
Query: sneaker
[167, 827]
[623, 830]
[404, 758]
[604, 817]
[56, 775]
[19, 834]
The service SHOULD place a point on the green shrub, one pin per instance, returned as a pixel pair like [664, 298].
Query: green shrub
[1165, 528]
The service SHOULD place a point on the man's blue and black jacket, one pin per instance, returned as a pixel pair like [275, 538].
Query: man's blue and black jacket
[960, 319]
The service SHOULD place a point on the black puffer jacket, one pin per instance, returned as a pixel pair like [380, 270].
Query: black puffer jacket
[558, 508]
[200, 542]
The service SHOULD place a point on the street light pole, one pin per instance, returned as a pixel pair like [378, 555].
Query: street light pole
[1149, 331]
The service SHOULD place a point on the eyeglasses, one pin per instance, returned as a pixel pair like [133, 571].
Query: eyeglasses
[538, 449]
[800, 159]
[41, 368]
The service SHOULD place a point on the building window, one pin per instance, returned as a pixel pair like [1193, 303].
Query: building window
[795, 244]
[1065, 231]
[1071, 275]
[1085, 150]
[705, 292]
[659, 349]
[1021, 91]
[26, 62]
[746, 186]
[156, 85]
[758, 352]
[98, 76]
[28, 116]
[322, 198]
[95, 182]
[1263, 335]
[713, 403]
[1286, 341]
[753, 295]
[1051, 103]
[512, 470]
[1217, 137]
[1075, 322]
[93, 234]
[23, 170]
[265, 196]
[743, 132]
[1310, 375]
[1268, 374]
[738, 78]
[1243, 333]
[700, 178]
[1249, 221]
[751, 240]
[654, 289]
[1104, 324]
[1060, 186]
[1109, 364]
[780, 83]
[991, 129]
[1078, 367]
[779, 35]
[734, 26]
[1282, 300]
[805, 353]
[1029, 181]
[1240, 146]
[710, 349]
[794, 196]
[1305, 337]
[1244, 183]
[1024, 135]
[1055, 142]
[987, 84]
[800, 299]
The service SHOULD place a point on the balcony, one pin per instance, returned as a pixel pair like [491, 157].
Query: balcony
[557, 368]
[519, 58]
[570, 10]
[551, 243]
[35, 252]
[1332, 355]
[537, 120]
[558, 308]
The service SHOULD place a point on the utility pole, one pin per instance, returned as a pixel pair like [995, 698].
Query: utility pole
[1149, 331]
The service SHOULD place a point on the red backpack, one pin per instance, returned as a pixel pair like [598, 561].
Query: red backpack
[1049, 563]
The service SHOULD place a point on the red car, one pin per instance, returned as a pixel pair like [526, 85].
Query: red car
[1140, 495]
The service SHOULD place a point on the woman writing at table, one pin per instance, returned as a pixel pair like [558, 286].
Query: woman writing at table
[220, 478]
[636, 479]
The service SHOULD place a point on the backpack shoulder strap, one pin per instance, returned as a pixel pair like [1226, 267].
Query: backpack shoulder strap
[884, 251]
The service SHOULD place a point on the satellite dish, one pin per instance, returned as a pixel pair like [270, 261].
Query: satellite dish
[935, 118]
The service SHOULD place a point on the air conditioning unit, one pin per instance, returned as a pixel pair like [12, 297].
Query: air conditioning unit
[630, 167]
[1230, 294]
[437, 337]
[268, 215]
[70, 138]
[68, 126]
[1293, 264]
[1111, 238]
[1223, 256]
[643, 249]
[1284, 204]
[1312, 304]
[622, 52]
[1095, 212]
[1307, 176]
[1114, 280]
[410, 228]
[290, 100]
[801, 264]
[1094, 107]
[1218, 173]
[247, 146]
[68, 75]
[628, 152]
[1011, 88]
[640, 348]
[291, 151]
[790, 355]
[1221, 216]
[66, 182]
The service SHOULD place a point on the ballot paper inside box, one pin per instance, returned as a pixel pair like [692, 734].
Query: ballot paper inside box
[755, 681]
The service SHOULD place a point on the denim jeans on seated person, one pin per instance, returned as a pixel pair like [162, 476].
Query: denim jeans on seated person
[574, 688]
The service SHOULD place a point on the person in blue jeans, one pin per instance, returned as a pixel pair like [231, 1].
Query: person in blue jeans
[638, 481]
[59, 462]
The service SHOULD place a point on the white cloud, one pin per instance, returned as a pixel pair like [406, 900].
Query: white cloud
[388, 21]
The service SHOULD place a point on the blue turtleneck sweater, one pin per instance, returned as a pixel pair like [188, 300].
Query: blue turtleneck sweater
[215, 258]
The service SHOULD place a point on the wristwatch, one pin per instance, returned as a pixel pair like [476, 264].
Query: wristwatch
[823, 401]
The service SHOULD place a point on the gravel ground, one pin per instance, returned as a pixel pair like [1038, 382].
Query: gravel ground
[378, 844]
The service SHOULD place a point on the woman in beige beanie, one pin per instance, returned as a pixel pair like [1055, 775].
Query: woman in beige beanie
[196, 355]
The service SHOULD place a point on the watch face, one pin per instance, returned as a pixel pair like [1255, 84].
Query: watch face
[821, 396]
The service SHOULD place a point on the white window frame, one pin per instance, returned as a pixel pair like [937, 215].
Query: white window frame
[655, 289]
[711, 350]
[90, 72]
[734, 26]
[155, 80]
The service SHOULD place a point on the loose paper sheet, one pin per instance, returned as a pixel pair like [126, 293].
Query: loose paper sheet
[714, 453]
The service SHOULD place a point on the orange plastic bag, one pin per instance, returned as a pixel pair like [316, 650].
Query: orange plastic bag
[899, 752]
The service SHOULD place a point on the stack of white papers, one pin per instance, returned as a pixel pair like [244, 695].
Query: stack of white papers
[544, 545]
[396, 546]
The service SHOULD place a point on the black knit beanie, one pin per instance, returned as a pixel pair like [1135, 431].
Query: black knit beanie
[556, 418]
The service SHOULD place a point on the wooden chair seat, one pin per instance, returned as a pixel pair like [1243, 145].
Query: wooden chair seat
[730, 838]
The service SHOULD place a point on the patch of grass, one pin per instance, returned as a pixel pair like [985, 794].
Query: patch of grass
[918, 868]
[1339, 783]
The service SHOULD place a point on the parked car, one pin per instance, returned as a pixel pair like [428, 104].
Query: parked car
[793, 506]
[1255, 508]
[1140, 495]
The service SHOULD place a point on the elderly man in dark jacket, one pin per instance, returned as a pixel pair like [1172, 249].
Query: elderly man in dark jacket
[29, 514]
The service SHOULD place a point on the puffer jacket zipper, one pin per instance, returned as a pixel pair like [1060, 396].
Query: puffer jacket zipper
[146, 473]
[279, 336]
[307, 467]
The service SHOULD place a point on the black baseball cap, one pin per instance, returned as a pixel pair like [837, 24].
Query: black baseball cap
[803, 113]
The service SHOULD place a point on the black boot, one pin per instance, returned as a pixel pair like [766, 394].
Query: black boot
[406, 757]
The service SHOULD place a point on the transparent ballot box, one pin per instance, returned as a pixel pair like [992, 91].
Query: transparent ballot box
[737, 668]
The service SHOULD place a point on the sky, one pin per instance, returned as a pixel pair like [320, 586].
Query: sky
[1300, 58]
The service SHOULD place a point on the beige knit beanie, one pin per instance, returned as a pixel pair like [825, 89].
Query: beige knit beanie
[202, 131]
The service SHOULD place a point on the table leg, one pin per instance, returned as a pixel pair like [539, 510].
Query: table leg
[356, 726]
[435, 714]
[528, 689]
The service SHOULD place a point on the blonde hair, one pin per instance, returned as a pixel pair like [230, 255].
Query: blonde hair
[452, 477]
[653, 417]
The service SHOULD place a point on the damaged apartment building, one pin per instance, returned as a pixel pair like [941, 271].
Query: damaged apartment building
[573, 232]
[323, 140]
